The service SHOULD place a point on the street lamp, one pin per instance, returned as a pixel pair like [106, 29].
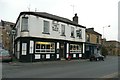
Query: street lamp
[13, 38]
[103, 30]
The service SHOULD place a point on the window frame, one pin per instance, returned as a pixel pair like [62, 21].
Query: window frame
[44, 27]
[88, 38]
[72, 32]
[45, 49]
[97, 39]
[75, 48]
[62, 30]
[79, 33]
[24, 28]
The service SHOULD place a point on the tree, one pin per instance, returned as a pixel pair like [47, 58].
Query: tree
[104, 51]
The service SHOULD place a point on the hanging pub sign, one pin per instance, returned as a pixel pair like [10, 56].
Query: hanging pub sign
[55, 26]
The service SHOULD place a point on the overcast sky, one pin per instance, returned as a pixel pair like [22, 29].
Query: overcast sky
[91, 13]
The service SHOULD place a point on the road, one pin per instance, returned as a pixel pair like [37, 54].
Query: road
[63, 69]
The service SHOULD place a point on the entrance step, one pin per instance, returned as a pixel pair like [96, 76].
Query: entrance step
[63, 59]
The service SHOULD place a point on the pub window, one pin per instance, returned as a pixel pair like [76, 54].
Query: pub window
[46, 27]
[24, 24]
[97, 40]
[45, 47]
[72, 32]
[63, 30]
[88, 38]
[79, 33]
[75, 48]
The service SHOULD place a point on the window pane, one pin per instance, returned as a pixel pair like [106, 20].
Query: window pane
[72, 31]
[97, 39]
[46, 27]
[47, 46]
[37, 46]
[63, 29]
[88, 38]
[42, 46]
[75, 48]
[79, 33]
[24, 26]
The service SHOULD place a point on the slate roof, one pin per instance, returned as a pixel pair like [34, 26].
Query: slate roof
[51, 16]
[90, 30]
[3, 23]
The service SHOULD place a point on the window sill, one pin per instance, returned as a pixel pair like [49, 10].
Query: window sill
[24, 31]
[45, 33]
[79, 37]
[72, 37]
[63, 35]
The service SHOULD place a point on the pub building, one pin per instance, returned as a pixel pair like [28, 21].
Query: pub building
[41, 36]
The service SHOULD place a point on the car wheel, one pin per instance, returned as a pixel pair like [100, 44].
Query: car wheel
[90, 59]
[96, 59]
[102, 59]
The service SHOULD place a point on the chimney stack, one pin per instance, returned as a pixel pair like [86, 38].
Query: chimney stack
[75, 18]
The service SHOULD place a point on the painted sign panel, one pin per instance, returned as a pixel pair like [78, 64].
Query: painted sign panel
[24, 48]
[57, 55]
[80, 55]
[74, 55]
[31, 47]
[37, 56]
[67, 48]
[57, 45]
[47, 56]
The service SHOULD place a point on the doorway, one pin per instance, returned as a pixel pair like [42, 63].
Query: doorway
[62, 50]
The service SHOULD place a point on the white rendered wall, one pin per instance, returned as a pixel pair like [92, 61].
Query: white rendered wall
[35, 27]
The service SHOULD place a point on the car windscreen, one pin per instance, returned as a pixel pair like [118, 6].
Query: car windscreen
[97, 54]
[4, 53]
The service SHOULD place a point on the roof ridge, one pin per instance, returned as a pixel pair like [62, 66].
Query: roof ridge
[51, 16]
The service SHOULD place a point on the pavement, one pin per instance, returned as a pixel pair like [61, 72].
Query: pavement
[16, 63]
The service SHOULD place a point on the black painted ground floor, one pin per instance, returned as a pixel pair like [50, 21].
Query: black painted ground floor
[31, 49]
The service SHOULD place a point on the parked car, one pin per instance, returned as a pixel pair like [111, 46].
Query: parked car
[96, 57]
[5, 56]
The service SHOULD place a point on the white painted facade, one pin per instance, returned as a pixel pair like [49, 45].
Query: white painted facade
[35, 28]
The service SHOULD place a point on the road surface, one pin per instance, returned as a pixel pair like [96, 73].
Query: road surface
[63, 69]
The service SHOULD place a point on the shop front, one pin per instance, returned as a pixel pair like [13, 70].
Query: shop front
[28, 49]
[91, 49]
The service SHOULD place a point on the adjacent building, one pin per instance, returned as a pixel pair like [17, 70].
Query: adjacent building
[42, 36]
[119, 27]
[112, 46]
[0, 36]
[6, 35]
[93, 42]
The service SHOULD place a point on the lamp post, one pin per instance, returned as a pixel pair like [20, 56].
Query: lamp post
[13, 38]
[103, 30]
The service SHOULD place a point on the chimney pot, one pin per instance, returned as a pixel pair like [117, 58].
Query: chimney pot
[75, 18]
